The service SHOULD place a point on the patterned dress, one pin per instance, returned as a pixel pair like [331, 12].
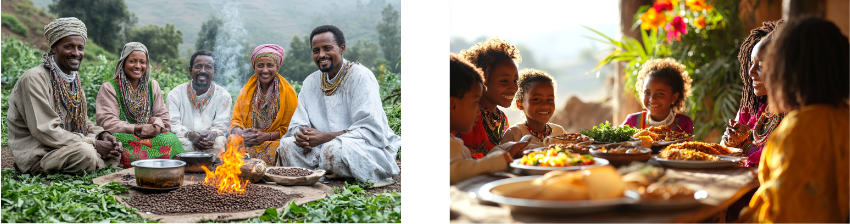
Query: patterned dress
[163, 146]
[487, 132]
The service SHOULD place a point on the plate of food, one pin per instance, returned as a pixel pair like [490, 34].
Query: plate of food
[575, 138]
[708, 148]
[660, 136]
[559, 192]
[690, 159]
[668, 196]
[554, 158]
[618, 154]
[606, 133]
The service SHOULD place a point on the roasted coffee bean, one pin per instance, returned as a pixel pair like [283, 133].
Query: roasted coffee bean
[199, 198]
[127, 177]
[290, 172]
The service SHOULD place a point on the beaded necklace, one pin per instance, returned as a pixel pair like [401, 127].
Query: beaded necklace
[494, 124]
[265, 105]
[67, 94]
[330, 87]
[765, 125]
[200, 102]
[136, 100]
[540, 135]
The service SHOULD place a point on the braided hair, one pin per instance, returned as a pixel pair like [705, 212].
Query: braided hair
[749, 99]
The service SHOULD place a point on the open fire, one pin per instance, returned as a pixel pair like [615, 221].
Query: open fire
[226, 176]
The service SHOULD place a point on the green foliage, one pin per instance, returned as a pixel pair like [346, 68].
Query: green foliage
[163, 41]
[389, 30]
[17, 58]
[170, 76]
[105, 19]
[93, 50]
[298, 61]
[208, 33]
[607, 133]
[15, 25]
[296, 85]
[351, 204]
[363, 51]
[66, 198]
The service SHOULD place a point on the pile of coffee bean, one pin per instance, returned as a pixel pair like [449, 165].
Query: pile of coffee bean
[290, 172]
[127, 177]
[200, 198]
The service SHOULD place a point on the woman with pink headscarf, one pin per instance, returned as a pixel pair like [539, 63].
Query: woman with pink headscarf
[265, 105]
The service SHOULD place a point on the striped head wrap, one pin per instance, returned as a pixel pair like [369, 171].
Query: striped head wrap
[63, 27]
[268, 50]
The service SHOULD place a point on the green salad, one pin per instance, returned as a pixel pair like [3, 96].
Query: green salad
[607, 133]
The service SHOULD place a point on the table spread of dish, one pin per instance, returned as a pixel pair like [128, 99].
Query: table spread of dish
[609, 174]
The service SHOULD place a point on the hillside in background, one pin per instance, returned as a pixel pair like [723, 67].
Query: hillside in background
[32, 19]
[266, 21]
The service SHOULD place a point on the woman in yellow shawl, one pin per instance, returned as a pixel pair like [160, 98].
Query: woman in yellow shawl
[803, 171]
[265, 105]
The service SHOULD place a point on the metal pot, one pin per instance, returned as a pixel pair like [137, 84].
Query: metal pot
[195, 160]
[159, 173]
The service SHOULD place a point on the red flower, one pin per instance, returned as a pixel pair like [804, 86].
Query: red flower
[478, 155]
[663, 5]
[166, 152]
[676, 28]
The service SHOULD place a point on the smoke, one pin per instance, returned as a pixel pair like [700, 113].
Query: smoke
[230, 49]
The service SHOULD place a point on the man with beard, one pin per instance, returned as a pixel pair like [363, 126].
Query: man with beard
[49, 130]
[200, 110]
[339, 124]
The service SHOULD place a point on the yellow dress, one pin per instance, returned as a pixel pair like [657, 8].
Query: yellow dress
[804, 171]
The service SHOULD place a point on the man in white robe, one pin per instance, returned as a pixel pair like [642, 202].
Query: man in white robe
[340, 125]
[200, 122]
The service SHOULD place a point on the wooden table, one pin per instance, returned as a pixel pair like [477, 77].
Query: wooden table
[724, 187]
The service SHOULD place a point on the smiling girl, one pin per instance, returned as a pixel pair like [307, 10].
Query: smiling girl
[665, 85]
[498, 60]
[536, 99]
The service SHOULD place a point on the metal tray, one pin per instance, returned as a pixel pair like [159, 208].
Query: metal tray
[547, 207]
[519, 169]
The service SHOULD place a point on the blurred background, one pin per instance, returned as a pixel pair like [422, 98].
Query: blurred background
[594, 49]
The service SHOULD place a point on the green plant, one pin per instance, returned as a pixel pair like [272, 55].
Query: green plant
[607, 133]
[707, 37]
[15, 25]
[349, 204]
[93, 51]
[62, 198]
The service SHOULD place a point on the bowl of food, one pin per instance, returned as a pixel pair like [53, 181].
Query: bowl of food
[575, 138]
[554, 158]
[159, 173]
[293, 176]
[606, 133]
[196, 160]
[619, 155]
[658, 138]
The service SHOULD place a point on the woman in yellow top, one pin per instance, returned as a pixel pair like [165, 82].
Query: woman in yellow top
[265, 105]
[803, 171]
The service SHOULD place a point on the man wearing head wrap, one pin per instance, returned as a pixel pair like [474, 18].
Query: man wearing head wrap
[265, 105]
[199, 109]
[49, 131]
[340, 125]
[130, 105]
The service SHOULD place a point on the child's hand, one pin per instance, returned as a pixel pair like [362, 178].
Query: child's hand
[517, 149]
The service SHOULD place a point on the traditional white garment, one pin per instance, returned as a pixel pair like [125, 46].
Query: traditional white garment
[515, 133]
[185, 118]
[366, 152]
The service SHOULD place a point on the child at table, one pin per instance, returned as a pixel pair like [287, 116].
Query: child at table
[497, 60]
[466, 86]
[536, 99]
[803, 175]
[665, 85]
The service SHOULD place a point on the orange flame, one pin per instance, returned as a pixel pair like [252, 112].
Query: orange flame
[226, 175]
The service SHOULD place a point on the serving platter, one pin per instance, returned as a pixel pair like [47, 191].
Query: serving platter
[725, 161]
[670, 204]
[551, 207]
[519, 169]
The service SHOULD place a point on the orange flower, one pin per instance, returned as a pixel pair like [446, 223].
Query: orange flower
[651, 19]
[700, 22]
[698, 5]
